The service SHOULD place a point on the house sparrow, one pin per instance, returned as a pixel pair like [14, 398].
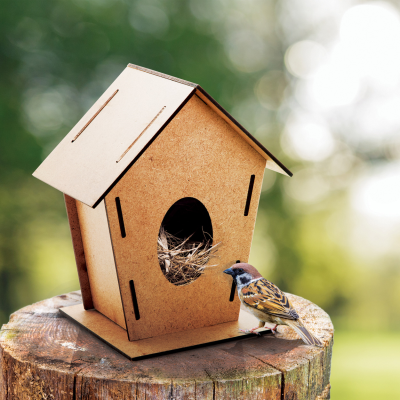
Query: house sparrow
[267, 302]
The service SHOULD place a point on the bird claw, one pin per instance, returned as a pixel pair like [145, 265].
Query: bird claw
[273, 330]
[250, 331]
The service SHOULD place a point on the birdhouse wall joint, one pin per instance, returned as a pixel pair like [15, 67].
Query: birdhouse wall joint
[249, 194]
[233, 288]
[120, 217]
[134, 300]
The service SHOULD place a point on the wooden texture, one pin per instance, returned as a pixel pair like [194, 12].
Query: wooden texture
[115, 130]
[197, 155]
[116, 337]
[100, 262]
[46, 356]
[272, 162]
[74, 226]
[85, 168]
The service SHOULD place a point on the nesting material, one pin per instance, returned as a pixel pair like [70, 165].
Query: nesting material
[183, 260]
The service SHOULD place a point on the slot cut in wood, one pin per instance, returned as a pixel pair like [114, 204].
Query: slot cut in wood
[94, 116]
[233, 288]
[249, 193]
[120, 217]
[141, 133]
[134, 300]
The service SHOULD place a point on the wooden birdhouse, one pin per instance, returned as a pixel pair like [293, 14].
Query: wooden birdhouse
[156, 151]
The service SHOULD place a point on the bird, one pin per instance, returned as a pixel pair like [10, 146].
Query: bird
[267, 302]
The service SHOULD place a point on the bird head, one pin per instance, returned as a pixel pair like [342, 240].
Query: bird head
[243, 273]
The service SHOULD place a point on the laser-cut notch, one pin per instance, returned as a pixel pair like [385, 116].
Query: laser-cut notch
[141, 133]
[94, 116]
[120, 217]
[134, 300]
[233, 288]
[249, 193]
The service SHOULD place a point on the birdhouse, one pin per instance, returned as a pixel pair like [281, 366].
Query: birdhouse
[156, 153]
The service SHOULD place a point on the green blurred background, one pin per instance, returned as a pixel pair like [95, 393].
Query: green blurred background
[317, 82]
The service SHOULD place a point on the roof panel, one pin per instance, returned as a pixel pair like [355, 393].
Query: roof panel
[111, 134]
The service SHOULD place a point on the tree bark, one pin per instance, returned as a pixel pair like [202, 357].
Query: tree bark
[46, 356]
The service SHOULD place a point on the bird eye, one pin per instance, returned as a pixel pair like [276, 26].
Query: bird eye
[240, 270]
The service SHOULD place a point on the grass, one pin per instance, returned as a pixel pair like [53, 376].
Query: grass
[366, 365]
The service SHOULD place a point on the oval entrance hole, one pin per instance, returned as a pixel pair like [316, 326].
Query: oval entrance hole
[185, 241]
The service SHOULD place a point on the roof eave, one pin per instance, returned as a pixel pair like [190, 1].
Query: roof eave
[272, 162]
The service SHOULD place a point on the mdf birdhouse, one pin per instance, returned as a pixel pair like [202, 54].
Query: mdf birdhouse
[156, 153]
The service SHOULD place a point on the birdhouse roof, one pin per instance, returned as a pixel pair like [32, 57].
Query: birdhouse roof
[119, 127]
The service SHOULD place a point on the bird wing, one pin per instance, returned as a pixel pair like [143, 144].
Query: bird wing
[264, 296]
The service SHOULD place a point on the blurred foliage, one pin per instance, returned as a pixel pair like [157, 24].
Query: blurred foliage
[58, 57]
[365, 366]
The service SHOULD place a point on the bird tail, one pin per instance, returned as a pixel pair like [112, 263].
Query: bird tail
[308, 337]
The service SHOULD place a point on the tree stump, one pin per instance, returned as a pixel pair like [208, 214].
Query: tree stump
[46, 356]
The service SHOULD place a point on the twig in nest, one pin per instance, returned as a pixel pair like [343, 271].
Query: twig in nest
[183, 260]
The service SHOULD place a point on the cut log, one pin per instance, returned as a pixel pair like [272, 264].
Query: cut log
[46, 356]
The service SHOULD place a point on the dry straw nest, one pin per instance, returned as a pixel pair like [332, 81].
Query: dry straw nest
[182, 260]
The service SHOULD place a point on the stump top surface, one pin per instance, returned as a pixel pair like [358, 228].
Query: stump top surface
[37, 338]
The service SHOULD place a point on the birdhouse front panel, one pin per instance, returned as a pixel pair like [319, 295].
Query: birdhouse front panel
[197, 156]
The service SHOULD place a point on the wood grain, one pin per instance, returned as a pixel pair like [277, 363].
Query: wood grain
[45, 356]
[116, 337]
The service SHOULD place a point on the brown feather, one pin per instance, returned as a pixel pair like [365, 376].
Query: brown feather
[264, 296]
[248, 268]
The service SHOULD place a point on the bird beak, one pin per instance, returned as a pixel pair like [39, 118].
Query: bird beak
[229, 271]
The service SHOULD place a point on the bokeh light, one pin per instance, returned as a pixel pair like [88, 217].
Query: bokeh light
[378, 194]
[307, 140]
[303, 58]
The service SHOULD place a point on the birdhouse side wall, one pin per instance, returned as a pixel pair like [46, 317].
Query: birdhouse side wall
[76, 236]
[197, 155]
[100, 262]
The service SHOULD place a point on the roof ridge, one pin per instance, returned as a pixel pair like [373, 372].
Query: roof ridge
[222, 109]
[161, 75]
